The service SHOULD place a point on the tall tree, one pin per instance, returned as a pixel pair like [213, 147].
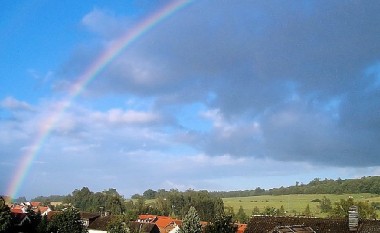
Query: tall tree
[85, 200]
[163, 205]
[117, 225]
[149, 194]
[366, 210]
[241, 216]
[270, 211]
[325, 205]
[341, 208]
[256, 211]
[68, 221]
[229, 210]
[5, 217]
[281, 211]
[35, 220]
[43, 225]
[307, 211]
[221, 224]
[140, 206]
[191, 222]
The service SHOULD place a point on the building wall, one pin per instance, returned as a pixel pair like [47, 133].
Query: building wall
[96, 231]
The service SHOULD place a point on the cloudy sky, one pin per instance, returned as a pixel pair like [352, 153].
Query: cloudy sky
[217, 96]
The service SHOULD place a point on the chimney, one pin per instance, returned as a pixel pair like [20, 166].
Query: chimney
[353, 218]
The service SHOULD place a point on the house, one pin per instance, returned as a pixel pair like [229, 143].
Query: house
[20, 219]
[176, 229]
[21, 222]
[34, 204]
[26, 206]
[241, 228]
[100, 225]
[37, 206]
[144, 227]
[44, 210]
[87, 218]
[56, 203]
[18, 209]
[264, 224]
[164, 223]
[290, 229]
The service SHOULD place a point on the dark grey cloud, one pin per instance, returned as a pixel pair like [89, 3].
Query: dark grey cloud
[298, 70]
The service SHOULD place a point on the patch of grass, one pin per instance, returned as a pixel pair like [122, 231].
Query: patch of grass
[293, 204]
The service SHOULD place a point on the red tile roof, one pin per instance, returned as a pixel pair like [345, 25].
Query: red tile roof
[241, 228]
[43, 209]
[147, 217]
[262, 224]
[164, 223]
[17, 210]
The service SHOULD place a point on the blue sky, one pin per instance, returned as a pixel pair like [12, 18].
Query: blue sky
[218, 96]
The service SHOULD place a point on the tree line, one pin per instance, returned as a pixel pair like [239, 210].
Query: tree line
[169, 203]
[370, 184]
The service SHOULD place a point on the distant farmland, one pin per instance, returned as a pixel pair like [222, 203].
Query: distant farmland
[293, 204]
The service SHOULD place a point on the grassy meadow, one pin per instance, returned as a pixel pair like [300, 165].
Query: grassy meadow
[293, 204]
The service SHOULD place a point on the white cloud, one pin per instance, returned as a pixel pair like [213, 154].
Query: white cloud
[223, 160]
[14, 104]
[104, 23]
[130, 116]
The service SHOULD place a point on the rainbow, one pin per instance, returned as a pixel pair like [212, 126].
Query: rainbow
[90, 73]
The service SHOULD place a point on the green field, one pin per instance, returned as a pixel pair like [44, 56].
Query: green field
[293, 204]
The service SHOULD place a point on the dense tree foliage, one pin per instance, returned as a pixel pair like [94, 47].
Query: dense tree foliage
[325, 205]
[329, 186]
[176, 204]
[207, 206]
[67, 221]
[51, 198]
[255, 211]
[35, 220]
[19, 200]
[173, 203]
[118, 225]
[42, 227]
[369, 184]
[241, 216]
[340, 209]
[270, 211]
[85, 200]
[191, 222]
[221, 224]
[5, 217]
[149, 194]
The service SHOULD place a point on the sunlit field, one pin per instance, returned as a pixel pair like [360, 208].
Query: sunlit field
[293, 204]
